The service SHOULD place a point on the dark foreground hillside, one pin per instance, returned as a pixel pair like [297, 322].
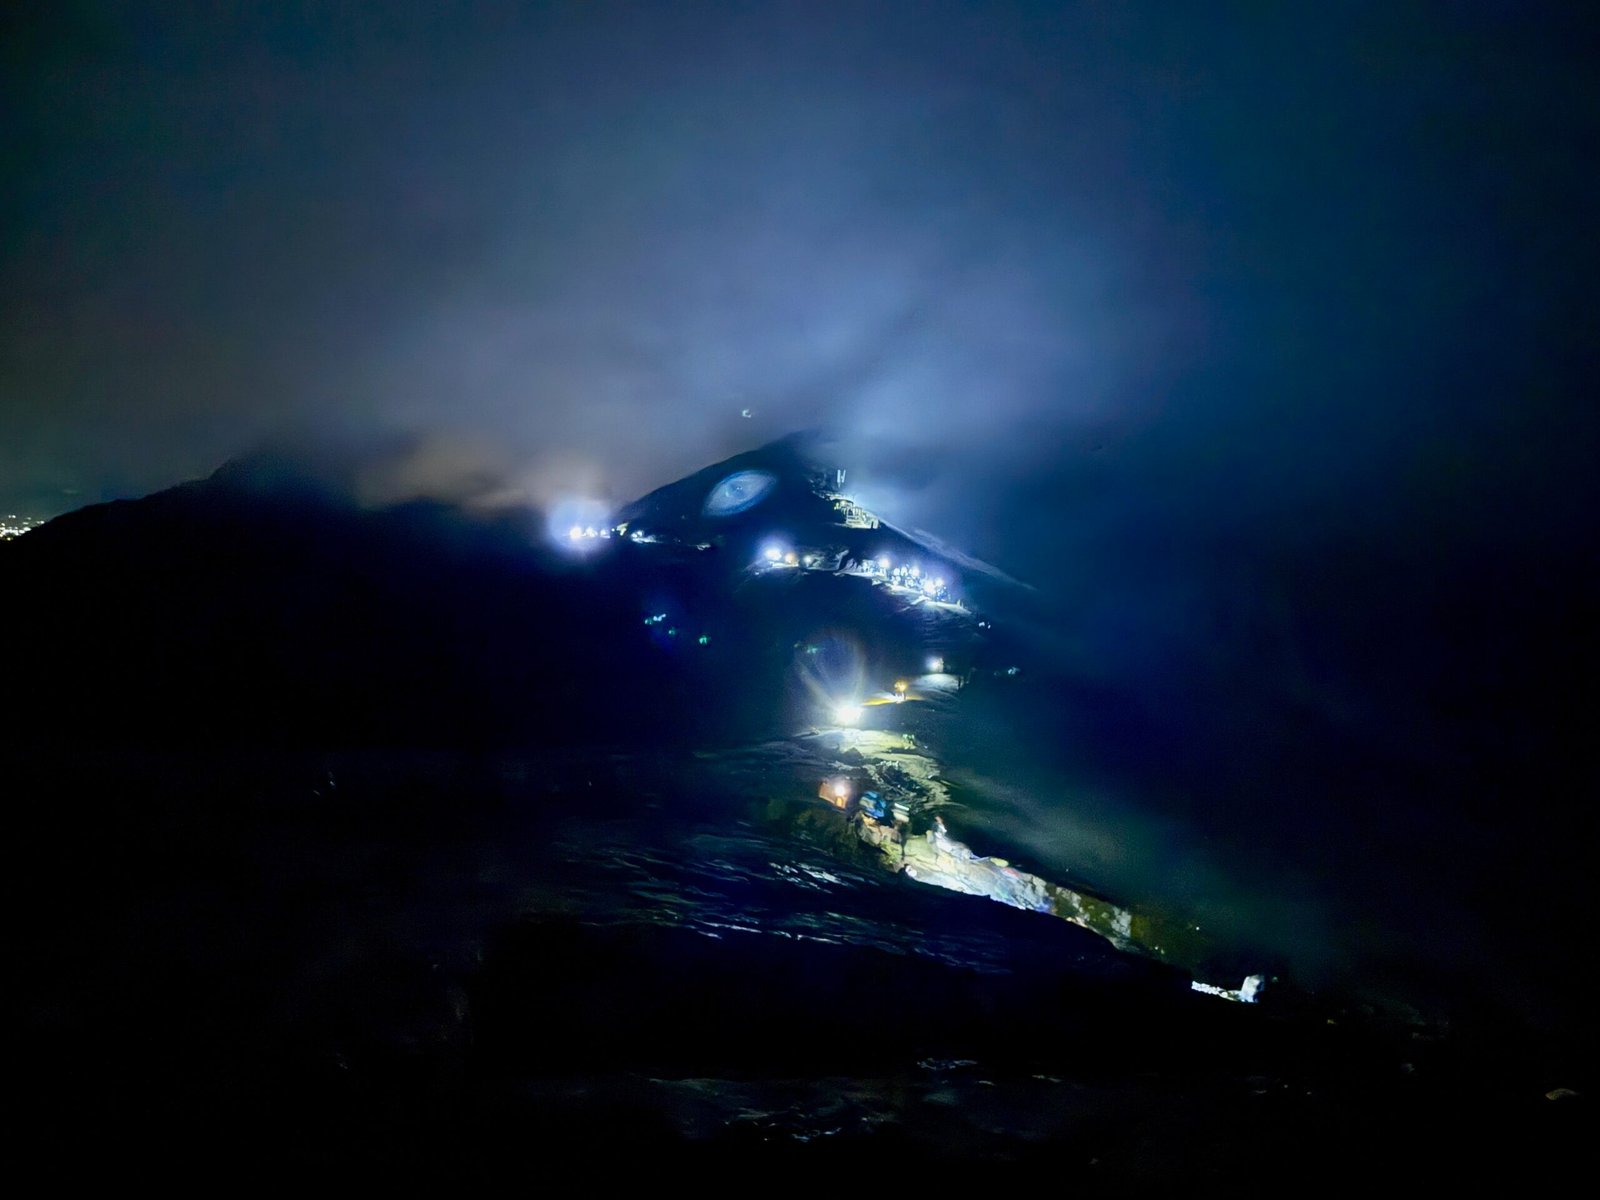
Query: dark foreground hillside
[473, 969]
[397, 845]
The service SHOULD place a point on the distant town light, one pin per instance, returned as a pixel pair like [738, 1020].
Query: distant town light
[916, 572]
[791, 558]
[773, 553]
[936, 665]
[883, 563]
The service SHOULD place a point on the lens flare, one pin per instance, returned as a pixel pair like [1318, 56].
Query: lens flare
[738, 493]
[830, 668]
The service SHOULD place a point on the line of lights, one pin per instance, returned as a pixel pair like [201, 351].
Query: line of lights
[909, 577]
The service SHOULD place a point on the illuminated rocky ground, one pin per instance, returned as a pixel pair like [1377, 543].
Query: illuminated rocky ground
[449, 967]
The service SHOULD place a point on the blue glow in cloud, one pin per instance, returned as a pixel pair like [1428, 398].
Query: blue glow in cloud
[739, 492]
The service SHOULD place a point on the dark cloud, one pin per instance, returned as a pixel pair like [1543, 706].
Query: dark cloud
[1301, 250]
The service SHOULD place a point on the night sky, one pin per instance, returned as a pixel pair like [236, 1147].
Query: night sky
[1057, 272]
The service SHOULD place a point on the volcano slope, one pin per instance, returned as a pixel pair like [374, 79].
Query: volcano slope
[399, 844]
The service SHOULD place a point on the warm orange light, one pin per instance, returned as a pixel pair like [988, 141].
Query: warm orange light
[835, 791]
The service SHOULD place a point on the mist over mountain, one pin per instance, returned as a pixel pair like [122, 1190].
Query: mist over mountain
[267, 605]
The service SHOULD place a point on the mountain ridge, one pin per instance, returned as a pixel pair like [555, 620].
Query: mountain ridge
[265, 602]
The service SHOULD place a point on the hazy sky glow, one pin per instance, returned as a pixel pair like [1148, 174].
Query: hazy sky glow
[1276, 257]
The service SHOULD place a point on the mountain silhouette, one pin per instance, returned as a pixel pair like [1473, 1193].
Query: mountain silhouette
[265, 604]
